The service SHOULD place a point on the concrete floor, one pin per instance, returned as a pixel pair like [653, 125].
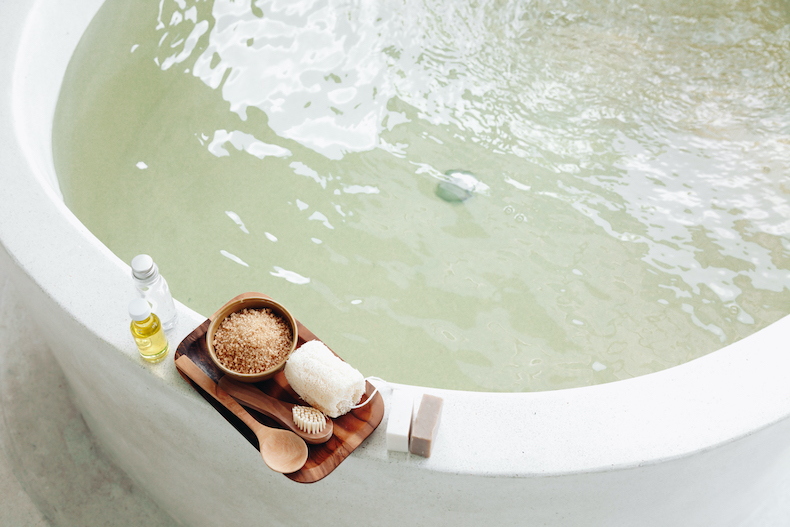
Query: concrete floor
[52, 471]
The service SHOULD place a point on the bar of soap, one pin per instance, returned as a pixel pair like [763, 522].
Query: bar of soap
[399, 421]
[426, 424]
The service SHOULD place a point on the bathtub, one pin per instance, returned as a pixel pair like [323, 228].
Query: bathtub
[704, 443]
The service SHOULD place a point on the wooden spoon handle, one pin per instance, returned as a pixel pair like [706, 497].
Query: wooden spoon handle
[254, 398]
[191, 370]
[280, 411]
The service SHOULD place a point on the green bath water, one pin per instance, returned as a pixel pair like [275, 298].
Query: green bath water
[631, 209]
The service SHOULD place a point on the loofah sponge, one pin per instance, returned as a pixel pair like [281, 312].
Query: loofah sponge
[323, 380]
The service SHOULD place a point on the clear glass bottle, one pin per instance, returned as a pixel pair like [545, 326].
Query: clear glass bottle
[147, 331]
[153, 287]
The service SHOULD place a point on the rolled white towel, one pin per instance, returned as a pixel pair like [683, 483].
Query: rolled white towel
[323, 380]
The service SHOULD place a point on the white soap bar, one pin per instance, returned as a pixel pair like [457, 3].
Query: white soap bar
[399, 421]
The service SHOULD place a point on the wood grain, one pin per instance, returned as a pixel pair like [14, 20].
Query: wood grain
[282, 450]
[350, 430]
[279, 410]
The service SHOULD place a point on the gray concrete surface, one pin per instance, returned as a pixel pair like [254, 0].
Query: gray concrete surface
[52, 471]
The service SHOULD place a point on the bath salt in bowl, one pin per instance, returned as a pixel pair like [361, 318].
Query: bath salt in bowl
[250, 338]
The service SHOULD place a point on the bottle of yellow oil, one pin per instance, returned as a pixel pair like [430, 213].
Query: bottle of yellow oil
[147, 331]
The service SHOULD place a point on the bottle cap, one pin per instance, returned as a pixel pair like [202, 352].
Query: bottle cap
[139, 309]
[143, 266]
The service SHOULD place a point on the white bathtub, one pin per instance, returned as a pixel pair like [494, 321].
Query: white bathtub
[705, 443]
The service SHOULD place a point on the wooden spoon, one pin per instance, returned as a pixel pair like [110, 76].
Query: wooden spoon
[280, 411]
[282, 451]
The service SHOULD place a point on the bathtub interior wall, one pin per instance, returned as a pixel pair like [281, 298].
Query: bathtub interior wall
[73, 285]
[705, 442]
[31, 114]
[56, 260]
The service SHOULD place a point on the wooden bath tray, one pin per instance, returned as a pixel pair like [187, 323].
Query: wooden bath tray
[349, 430]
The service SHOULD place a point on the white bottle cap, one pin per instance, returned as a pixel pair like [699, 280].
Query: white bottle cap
[139, 309]
[143, 266]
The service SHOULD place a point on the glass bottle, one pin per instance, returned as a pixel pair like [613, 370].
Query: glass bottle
[147, 331]
[153, 287]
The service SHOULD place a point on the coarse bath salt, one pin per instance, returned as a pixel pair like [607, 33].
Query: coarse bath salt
[252, 340]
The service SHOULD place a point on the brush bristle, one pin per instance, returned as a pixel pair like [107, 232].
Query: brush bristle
[309, 419]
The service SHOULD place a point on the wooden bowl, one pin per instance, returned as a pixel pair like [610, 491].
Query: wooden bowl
[249, 301]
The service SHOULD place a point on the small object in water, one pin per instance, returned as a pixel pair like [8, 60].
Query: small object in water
[153, 287]
[426, 424]
[308, 419]
[459, 186]
[399, 420]
[147, 331]
[323, 380]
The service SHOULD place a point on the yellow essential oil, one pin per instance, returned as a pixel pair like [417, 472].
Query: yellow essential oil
[147, 331]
